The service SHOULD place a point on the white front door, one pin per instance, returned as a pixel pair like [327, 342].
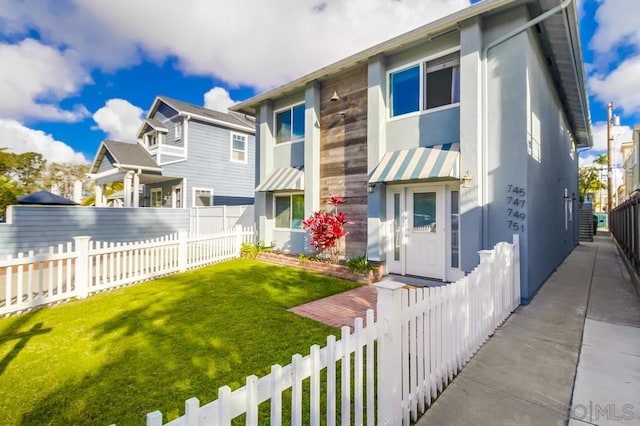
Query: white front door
[416, 231]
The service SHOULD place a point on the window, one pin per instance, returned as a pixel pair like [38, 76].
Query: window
[290, 124]
[439, 86]
[202, 197]
[152, 139]
[178, 130]
[455, 226]
[177, 197]
[405, 91]
[289, 211]
[156, 197]
[238, 148]
[424, 212]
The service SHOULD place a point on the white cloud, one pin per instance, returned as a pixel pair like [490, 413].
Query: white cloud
[620, 135]
[35, 77]
[119, 119]
[621, 86]
[218, 99]
[19, 139]
[615, 25]
[252, 42]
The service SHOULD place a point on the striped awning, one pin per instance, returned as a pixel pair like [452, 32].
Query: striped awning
[285, 179]
[440, 161]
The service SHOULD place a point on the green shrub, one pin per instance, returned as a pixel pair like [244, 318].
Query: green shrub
[359, 265]
[252, 250]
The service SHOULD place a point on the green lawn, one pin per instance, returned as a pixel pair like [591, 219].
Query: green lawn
[116, 356]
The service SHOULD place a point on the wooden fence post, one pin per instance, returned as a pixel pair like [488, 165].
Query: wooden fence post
[389, 353]
[82, 266]
[182, 250]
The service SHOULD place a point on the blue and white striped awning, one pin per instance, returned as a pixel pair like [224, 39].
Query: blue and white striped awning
[440, 161]
[285, 179]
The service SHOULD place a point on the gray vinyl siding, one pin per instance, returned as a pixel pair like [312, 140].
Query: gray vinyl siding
[209, 163]
[106, 164]
[38, 227]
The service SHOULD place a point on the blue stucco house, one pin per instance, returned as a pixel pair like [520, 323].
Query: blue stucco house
[443, 141]
[186, 156]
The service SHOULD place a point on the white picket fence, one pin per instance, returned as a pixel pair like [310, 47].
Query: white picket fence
[424, 337]
[84, 267]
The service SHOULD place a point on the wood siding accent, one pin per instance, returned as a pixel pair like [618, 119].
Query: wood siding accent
[343, 152]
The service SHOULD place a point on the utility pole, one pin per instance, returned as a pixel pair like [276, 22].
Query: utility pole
[609, 157]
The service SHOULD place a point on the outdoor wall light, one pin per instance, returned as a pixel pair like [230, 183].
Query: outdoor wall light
[335, 97]
[466, 180]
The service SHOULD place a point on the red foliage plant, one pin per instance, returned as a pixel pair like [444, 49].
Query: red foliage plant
[326, 229]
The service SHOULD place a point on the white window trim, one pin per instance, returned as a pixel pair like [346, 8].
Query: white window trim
[286, 194]
[193, 195]
[147, 137]
[174, 188]
[232, 150]
[422, 63]
[177, 135]
[275, 114]
[154, 191]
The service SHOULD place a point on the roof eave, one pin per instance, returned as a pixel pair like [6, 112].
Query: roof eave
[431, 29]
[251, 130]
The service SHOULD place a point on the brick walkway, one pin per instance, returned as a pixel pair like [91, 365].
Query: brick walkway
[340, 309]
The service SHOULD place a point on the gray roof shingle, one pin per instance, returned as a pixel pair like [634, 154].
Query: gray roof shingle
[129, 153]
[233, 118]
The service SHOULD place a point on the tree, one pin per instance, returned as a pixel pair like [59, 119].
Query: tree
[327, 229]
[24, 169]
[110, 188]
[8, 191]
[63, 176]
[19, 175]
[589, 180]
[602, 160]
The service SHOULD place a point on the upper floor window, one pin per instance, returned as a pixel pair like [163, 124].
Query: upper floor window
[238, 148]
[425, 86]
[178, 130]
[152, 139]
[290, 124]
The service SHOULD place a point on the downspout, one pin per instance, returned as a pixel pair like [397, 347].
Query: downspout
[485, 133]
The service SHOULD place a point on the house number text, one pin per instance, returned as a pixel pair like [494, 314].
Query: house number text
[516, 203]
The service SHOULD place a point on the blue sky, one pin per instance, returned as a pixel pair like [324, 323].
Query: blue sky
[75, 72]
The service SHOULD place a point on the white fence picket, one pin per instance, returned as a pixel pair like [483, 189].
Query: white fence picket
[440, 329]
[31, 279]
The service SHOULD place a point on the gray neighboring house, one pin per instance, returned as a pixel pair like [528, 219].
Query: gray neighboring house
[186, 156]
[444, 141]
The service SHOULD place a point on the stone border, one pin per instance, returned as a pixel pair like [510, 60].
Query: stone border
[336, 271]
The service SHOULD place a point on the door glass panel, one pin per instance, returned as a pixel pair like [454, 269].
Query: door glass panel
[396, 227]
[424, 212]
[455, 244]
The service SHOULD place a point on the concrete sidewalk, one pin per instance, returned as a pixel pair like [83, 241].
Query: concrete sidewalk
[525, 374]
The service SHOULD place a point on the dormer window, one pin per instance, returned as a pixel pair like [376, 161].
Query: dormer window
[151, 139]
